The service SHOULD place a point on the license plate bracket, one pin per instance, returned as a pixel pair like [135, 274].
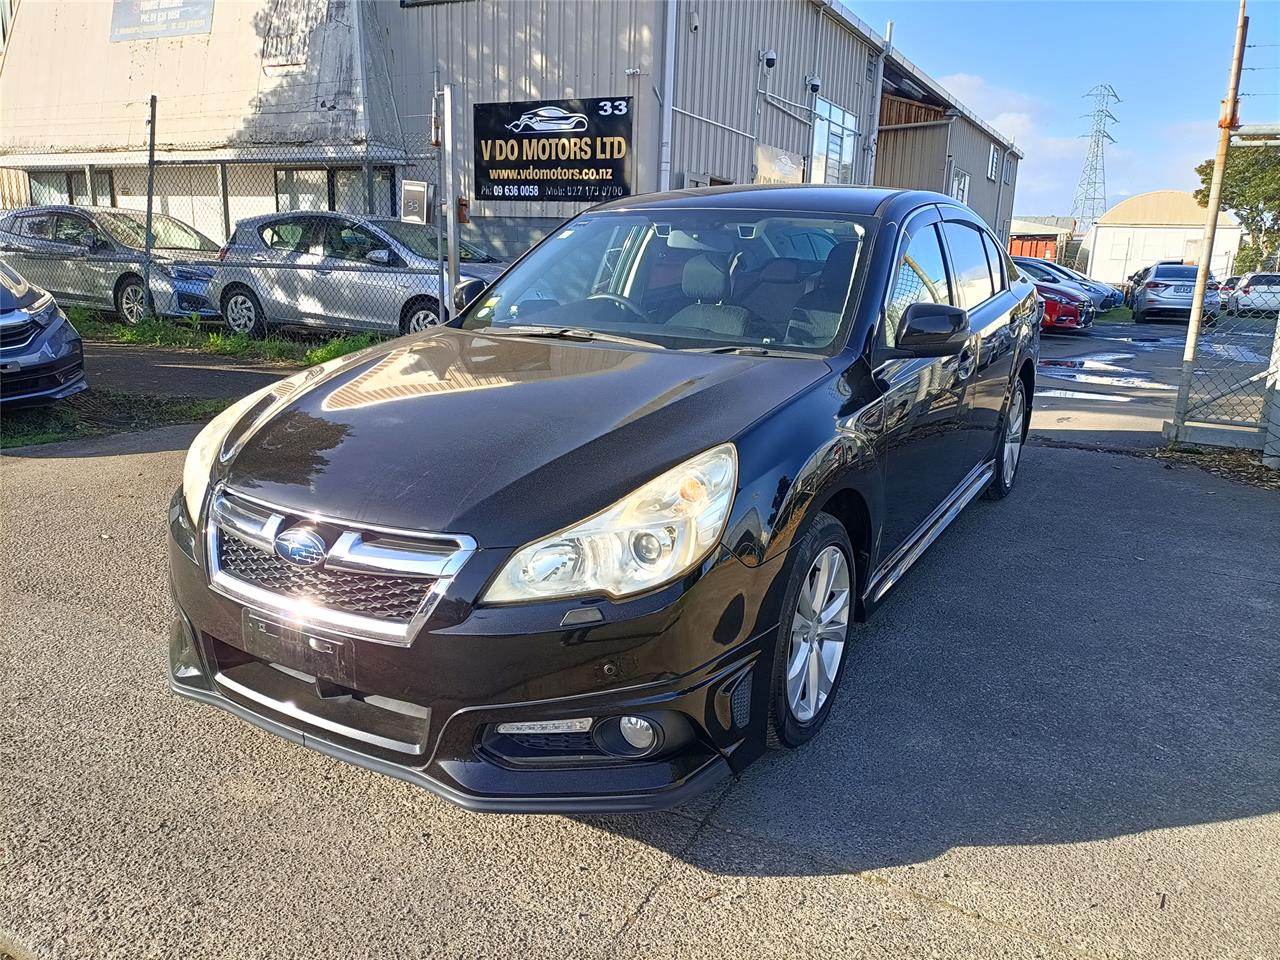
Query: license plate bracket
[298, 648]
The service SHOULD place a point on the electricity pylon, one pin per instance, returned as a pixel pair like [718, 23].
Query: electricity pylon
[1091, 192]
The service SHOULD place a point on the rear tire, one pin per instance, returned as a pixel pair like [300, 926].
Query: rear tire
[1013, 433]
[131, 301]
[242, 312]
[1139, 316]
[419, 314]
[813, 637]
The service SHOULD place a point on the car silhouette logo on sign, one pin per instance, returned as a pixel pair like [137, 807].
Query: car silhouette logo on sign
[301, 546]
[548, 120]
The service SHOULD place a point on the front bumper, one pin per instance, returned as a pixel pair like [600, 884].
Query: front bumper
[182, 297]
[43, 375]
[425, 713]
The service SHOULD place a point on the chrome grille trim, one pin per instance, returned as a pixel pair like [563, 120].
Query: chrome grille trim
[360, 549]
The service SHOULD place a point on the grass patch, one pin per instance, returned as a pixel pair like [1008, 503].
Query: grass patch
[1120, 314]
[96, 412]
[188, 334]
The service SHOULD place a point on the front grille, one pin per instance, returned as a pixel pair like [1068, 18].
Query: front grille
[570, 743]
[39, 379]
[18, 335]
[367, 595]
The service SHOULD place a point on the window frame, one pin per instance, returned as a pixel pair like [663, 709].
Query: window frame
[331, 194]
[960, 176]
[923, 217]
[993, 164]
[832, 127]
[1008, 167]
[69, 190]
[968, 225]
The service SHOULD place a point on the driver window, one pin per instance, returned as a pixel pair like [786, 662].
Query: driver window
[70, 229]
[921, 278]
[346, 241]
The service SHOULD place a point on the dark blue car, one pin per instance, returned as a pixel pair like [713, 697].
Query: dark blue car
[41, 358]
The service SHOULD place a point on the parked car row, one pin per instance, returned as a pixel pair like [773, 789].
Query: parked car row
[1102, 296]
[310, 268]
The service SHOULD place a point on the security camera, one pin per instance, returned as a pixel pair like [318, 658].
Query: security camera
[815, 83]
[769, 58]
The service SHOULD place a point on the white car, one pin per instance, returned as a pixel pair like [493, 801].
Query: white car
[549, 120]
[1256, 294]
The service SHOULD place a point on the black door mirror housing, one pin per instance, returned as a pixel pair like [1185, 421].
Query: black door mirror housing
[466, 292]
[932, 330]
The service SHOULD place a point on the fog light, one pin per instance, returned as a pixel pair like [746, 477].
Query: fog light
[638, 732]
[576, 725]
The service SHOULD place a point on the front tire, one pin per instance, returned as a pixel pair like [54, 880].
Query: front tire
[809, 657]
[131, 301]
[1013, 433]
[420, 314]
[242, 312]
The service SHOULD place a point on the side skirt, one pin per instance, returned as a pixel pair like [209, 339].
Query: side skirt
[892, 570]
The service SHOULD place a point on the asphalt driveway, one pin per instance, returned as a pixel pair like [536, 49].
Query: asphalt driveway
[1060, 738]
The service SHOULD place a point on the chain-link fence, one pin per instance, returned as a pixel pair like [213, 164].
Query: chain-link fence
[1229, 394]
[256, 238]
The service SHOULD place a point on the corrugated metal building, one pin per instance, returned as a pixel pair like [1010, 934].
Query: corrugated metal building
[705, 105]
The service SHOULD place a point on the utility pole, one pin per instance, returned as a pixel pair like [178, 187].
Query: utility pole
[1090, 200]
[149, 240]
[1228, 120]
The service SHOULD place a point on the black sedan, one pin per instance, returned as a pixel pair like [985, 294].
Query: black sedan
[41, 355]
[607, 536]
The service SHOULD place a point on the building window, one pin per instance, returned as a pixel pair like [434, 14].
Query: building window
[6, 21]
[1008, 168]
[835, 143]
[70, 186]
[993, 163]
[339, 188]
[960, 186]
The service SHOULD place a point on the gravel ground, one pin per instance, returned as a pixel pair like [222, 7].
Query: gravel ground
[1060, 738]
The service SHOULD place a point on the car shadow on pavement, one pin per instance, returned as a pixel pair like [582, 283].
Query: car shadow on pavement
[1097, 669]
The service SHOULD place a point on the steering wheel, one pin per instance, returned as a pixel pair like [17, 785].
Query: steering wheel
[620, 301]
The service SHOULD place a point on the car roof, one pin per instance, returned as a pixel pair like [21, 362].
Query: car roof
[804, 198]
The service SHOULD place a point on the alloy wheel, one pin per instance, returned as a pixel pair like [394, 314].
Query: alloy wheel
[1013, 435]
[422, 318]
[133, 304]
[241, 314]
[818, 634]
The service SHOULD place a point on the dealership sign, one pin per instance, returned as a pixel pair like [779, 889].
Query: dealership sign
[577, 150]
[142, 19]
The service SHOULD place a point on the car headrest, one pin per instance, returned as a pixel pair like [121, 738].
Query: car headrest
[781, 271]
[705, 278]
[839, 262]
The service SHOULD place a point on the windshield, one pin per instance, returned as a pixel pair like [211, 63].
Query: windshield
[421, 239]
[688, 278]
[130, 229]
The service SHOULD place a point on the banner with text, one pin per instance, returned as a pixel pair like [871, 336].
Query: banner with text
[576, 150]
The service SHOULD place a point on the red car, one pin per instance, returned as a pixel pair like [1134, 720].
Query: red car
[1064, 308]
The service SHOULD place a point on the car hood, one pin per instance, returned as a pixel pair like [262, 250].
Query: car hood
[502, 437]
[482, 271]
[1063, 290]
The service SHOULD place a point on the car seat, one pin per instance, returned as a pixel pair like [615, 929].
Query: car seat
[816, 316]
[706, 281]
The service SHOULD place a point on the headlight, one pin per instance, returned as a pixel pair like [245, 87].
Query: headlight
[1056, 298]
[44, 311]
[647, 539]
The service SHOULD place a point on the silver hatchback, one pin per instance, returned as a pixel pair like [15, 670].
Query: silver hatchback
[1165, 290]
[315, 268]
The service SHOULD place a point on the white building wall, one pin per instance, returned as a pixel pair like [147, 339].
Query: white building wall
[1117, 250]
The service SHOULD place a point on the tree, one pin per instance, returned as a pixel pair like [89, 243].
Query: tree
[1251, 191]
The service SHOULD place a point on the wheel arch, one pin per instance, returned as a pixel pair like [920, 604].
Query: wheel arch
[850, 507]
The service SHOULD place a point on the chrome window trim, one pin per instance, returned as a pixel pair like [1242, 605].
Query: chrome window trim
[442, 564]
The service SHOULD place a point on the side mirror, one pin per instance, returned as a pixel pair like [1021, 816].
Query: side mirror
[933, 330]
[466, 292]
[381, 257]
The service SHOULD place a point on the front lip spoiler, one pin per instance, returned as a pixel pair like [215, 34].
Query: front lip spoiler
[707, 776]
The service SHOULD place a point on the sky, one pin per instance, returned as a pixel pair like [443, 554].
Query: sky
[1024, 67]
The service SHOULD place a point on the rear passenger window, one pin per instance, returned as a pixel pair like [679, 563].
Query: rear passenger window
[287, 235]
[995, 262]
[921, 278]
[969, 263]
[41, 227]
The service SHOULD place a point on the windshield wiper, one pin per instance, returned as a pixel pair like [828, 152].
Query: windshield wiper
[746, 350]
[572, 333]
